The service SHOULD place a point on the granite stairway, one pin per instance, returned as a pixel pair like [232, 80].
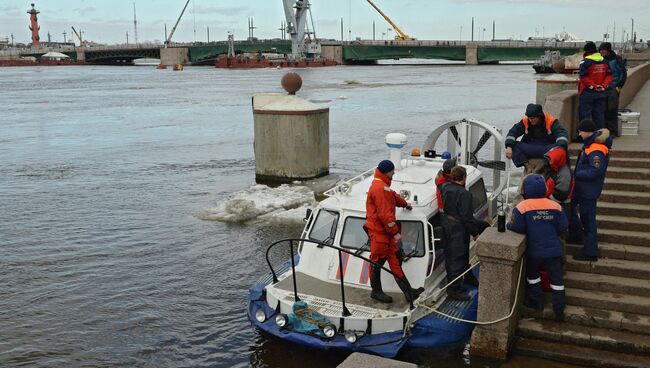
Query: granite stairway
[607, 319]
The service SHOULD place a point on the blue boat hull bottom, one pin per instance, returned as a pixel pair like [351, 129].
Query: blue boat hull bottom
[432, 332]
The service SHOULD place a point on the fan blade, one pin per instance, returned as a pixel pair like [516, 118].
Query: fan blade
[499, 165]
[454, 132]
[481, 142]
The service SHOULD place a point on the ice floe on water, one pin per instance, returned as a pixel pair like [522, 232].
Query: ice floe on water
[261, 203]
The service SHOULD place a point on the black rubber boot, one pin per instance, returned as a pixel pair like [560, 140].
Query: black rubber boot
[375, 283]
[457, 294]
[470, 279]
[408, 291]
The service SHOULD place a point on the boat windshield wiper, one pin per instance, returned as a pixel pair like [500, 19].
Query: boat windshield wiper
[364, 248]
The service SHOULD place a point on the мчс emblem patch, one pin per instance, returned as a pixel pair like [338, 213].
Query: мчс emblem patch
[596, 162]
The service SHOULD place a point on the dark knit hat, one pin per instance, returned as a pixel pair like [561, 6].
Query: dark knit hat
[534, 186]
[533, 110]
[587, 125]
[590, 47]
[605, 46]
[386, 166]
[448, 165]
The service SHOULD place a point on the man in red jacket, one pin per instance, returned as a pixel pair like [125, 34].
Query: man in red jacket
[384, 233]
[595, 77]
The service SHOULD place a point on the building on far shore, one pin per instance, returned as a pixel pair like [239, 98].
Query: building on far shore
[4, 43]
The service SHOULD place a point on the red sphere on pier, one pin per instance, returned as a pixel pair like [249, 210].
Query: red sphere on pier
[291, 82]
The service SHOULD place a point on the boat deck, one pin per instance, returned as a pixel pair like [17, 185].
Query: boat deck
[357, 299]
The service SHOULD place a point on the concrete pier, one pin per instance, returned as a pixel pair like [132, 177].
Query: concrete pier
[361, 360]
[471, 53]
[553, 84]
[174, 55]
[291, 137]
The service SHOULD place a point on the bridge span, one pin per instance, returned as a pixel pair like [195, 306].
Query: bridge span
[477, 52]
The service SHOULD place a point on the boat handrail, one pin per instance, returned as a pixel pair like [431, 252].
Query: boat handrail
[345, 187]
[320, 244]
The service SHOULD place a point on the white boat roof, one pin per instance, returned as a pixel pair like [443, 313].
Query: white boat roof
[416, 176]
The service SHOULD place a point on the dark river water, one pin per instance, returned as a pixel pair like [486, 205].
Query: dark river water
[130, 223]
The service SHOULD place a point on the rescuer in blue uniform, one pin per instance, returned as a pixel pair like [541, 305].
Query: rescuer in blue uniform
[589, 175]
[542, 220]
[539, 132]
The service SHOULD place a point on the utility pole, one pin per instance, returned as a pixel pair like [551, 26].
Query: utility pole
[472, 29]
[127, 38]
[350, 20]
[165, 34]
[251, 28]
[135, 25]
[493, 29]
[49, 37]
[208, 28]
[194, 16]
[341, 29]
[12, 39]
[282, 30]
[632, 35]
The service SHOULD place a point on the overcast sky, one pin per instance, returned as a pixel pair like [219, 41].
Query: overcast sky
[107, 21]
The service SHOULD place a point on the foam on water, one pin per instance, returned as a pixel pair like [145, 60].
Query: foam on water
[261, 203]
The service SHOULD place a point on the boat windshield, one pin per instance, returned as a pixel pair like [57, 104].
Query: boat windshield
[324, 228]
[356, 238]
[479, 196]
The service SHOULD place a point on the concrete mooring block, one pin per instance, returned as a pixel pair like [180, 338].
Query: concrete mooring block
[291, 137]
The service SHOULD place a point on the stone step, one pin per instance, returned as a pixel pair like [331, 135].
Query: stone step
[623, 209]
[612, 267]
[598, 282]
[628, 173]
[622, 162]
[623, 223]
[624, 237]
[591, 317]
[578, 355]
[616, 251]
[631, 185]
[616, 161]
[574, 149]
[592, 337]
[619, 196]
[610, 301]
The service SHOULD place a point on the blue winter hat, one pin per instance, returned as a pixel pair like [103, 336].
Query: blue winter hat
[534, 186]
[446, 155]
[386, 166]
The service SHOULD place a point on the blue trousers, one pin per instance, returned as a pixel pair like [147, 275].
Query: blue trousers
[523, 151]
[535, 294]
[592, 106]
[584, 228]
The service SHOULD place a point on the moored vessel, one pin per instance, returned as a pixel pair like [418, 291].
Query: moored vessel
[320, 297]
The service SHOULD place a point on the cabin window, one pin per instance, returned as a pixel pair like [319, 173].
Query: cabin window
[479, 197]
[412, 238]
[354, 236]
[324, 229]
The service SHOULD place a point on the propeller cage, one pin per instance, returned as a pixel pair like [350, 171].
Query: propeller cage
[466, 139]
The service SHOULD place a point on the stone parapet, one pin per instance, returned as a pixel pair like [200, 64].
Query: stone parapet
[500, 255]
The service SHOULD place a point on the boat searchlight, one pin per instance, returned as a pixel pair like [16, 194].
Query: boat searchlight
[396, 141]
